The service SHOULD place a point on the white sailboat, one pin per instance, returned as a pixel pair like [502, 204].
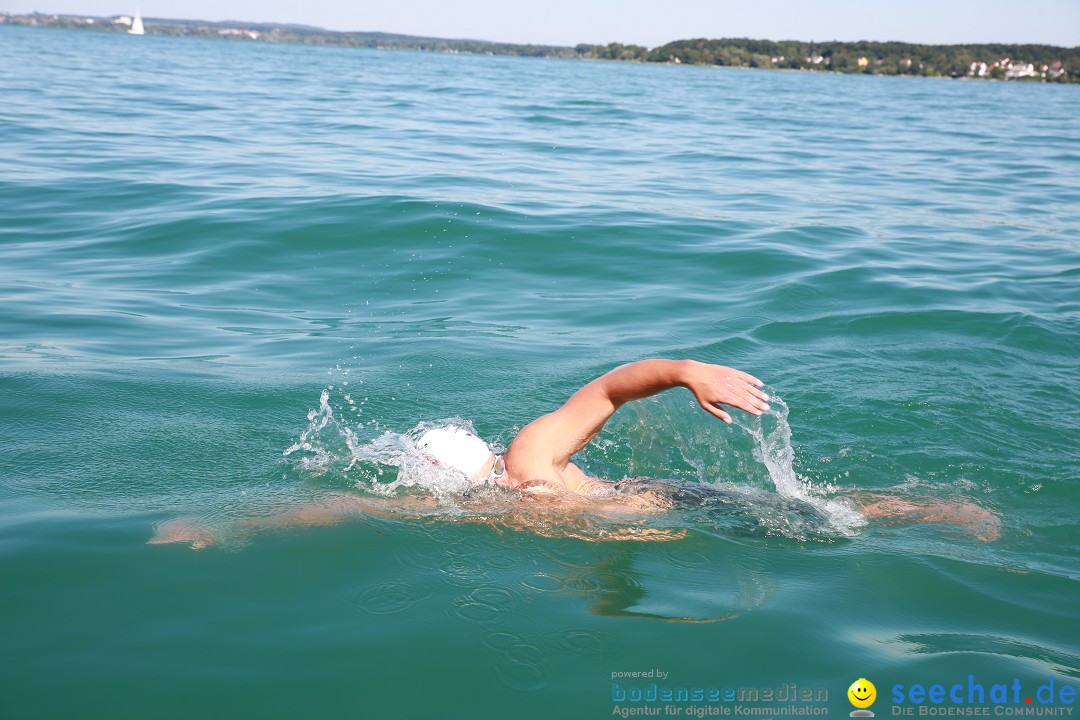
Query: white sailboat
[136, 24]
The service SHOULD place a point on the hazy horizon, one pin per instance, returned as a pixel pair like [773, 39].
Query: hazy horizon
[566, 23]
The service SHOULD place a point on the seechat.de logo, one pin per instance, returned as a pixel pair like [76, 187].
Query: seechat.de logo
[862, 695]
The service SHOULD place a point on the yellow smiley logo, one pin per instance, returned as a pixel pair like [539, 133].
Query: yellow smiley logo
[862, 693]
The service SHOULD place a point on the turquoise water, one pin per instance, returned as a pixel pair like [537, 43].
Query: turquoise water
[199, 241]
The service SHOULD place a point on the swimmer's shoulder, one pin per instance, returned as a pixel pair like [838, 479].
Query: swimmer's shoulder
[554, 483]
[531, 470]
[576, 480]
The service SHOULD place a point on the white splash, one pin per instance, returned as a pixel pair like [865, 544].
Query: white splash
[387, 463]
[320, 457]
[775, 451]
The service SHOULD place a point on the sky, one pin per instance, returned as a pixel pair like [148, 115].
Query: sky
[641, 22]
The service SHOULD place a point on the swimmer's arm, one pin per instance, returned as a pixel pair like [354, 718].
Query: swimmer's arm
[329, 510]
[544, 447]
[981, 522]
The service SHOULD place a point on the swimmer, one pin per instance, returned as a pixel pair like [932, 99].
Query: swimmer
[538, 461]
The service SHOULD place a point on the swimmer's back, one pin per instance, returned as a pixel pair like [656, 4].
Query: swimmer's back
[725, 499]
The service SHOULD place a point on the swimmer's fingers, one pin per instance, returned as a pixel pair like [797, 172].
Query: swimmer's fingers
[715, 410]
[714, 385]
[759, 394]
[750, 404]
[743, 396]
[749, 378]
[751, 400]
[759, 398]
[183, 530]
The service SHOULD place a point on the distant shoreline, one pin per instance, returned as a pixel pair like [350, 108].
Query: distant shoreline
[991, 61]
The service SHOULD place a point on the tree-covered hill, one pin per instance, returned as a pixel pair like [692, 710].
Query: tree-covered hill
[873, 58]
[1044, 63]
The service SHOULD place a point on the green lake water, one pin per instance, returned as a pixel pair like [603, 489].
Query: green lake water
[235, 277]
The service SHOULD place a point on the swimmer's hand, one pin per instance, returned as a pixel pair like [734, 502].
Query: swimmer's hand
[183, 530]
[715, 385]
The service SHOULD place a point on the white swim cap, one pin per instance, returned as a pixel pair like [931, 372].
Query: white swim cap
[457, 448]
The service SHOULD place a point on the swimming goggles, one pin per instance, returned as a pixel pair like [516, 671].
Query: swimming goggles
[498, 469]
